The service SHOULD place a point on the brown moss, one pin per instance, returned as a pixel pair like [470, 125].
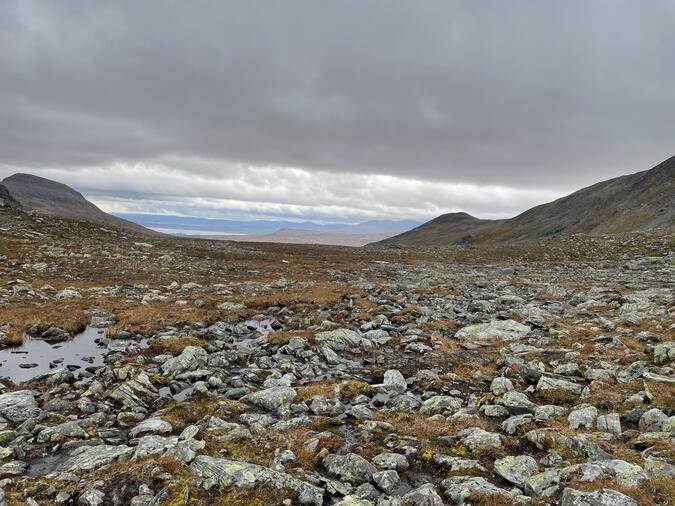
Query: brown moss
[353, 388]
[193, 409]
[323, 387]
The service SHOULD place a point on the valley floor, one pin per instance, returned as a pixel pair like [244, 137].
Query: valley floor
[236, 373]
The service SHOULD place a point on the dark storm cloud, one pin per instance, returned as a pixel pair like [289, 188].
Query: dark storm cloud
[510, 93]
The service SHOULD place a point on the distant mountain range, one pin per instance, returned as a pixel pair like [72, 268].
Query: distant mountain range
[57, 199]
[638, 202]
[204, 227]
[300, 236]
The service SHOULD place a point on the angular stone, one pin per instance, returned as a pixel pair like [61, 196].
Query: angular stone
[191, 359]
[653, 421]
[18, 406]
[341, 339]
[558, 385]
[609, 423]
[664, 352]
[350, 467]
[602, 497]
[394, 382]
[516, 469]
[475, 438]
[387, 481]
[500, 386]
[391, 461]
[516, 402]
[136, 393]
[582, 417]
[93, 497]
[425, 495]
[511, 424]
[89, 458]
[59, 432]
[151, 426]
[439, 404]
[277, 399]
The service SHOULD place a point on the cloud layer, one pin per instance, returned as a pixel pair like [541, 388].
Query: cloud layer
[370, 109]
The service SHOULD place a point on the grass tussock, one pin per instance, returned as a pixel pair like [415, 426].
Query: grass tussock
[324, 387]
[35, 318]
[281, 337]
[193, 409]
[175, 345]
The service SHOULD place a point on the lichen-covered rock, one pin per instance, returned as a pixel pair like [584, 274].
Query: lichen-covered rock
[68, 293]
[584, 417]
[602, 497]
[632, 372]
[154, 445]
[151, 426]
[546, 483]
[89, 458]
[391, 461]
[387, 481]
[476, 438]
[558, 385]
[350, 467]
[511, 424]
[516, 469]
[505, 330]
[394, 382]
[516, 402]
[341, 339]
[653, 421]
[439, 404]
[226, 473]
[425, 495]
[459, 488]
[500, 386]
[59, 432]
[277, 399]
[190, 359]
[93, 497]
[136, 393]
[610, 422]
[13, 468]
[664, 352]
[18, 406]
[457, 463]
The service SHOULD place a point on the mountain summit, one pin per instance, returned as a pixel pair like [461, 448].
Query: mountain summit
[635, 203]
[57, 199]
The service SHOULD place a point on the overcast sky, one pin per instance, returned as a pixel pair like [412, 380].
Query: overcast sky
[334, 110]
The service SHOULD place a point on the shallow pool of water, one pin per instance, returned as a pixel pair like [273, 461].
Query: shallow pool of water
[80, 352]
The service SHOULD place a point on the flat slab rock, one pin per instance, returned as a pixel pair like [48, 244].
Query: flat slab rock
[505, 330]
[226, 473]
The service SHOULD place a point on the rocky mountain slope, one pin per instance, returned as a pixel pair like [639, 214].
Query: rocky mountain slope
[57, 199]
[7, 200]
[637, 202]
[187, 371]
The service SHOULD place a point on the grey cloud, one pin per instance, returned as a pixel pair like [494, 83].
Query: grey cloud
[511, 93]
